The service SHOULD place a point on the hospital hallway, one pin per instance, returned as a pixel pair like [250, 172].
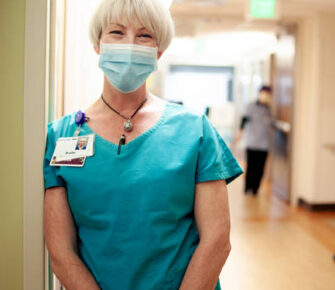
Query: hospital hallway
[261, 71]
[276, 246]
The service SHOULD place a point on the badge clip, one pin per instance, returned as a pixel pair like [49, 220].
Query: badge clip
[80, 119]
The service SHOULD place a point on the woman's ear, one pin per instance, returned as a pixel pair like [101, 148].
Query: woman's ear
[97, 48]
[159, 54]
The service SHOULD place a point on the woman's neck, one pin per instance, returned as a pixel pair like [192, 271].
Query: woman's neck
[125, 103]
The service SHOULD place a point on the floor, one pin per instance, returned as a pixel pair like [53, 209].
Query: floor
[277, 247]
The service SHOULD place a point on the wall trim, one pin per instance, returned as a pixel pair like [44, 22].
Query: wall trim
[35, 87]
[316, 206]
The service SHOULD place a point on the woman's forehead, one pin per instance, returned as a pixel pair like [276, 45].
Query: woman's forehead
[128, 19]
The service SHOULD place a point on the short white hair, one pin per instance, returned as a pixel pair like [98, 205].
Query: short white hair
[152, 14]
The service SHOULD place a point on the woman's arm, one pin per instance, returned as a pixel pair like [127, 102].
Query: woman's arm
[212, 216]
[61, 240]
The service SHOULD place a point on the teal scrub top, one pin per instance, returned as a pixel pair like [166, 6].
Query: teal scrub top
[134, 211]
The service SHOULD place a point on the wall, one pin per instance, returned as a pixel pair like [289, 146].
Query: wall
[325, 184]
[304, 112]
[12, 27]
[314, 111]
[83, 79]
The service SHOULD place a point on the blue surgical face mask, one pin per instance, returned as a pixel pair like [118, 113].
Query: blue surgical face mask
[127, 66]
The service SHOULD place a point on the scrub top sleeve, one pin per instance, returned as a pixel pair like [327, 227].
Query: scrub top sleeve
[215, 160]
[49, 172]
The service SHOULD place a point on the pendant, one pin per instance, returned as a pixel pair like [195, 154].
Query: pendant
[128, 126]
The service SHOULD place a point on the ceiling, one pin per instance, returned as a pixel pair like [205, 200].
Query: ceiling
[220, 2]
[198, 16]
[233, 7]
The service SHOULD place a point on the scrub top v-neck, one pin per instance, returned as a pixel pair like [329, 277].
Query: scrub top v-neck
[134, 211]
[135, 140]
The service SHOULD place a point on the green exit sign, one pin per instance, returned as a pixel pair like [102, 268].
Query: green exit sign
[263, 8]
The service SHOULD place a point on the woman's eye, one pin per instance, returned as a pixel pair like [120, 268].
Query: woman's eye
[116, 32]
[146, 35]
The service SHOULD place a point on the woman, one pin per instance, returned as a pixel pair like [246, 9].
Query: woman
[257, 123]
[149, 209]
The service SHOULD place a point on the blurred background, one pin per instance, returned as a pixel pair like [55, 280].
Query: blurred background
[222, 53]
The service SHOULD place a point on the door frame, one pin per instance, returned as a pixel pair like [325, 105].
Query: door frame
[37, 19]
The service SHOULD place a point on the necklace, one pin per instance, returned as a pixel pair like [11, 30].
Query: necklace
[127, 126]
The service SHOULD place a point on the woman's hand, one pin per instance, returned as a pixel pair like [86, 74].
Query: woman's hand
[61, 240]
[212, 217]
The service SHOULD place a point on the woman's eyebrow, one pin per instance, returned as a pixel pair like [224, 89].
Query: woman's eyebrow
[123, 26]
[118, 24]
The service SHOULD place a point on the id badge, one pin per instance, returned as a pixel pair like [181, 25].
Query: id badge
[73, 151]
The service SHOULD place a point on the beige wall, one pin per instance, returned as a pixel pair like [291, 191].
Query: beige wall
[314, 111]
[12, 27]
[325, 184]
[304, 112]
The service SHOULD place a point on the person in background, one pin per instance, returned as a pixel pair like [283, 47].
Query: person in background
[256, 124]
